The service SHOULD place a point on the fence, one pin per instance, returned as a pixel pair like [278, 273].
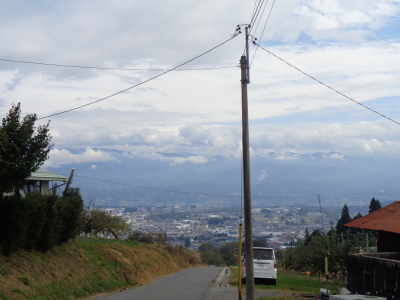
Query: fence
[377, 273]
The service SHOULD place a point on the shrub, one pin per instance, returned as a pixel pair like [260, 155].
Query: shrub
[14, 223]
[145, 238]
[38, 222]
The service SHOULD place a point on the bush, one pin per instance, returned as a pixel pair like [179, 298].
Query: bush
[38, 222]
[145, 238]
[70, 208]
[14, 223]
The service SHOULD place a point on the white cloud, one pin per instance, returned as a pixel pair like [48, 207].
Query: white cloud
[263, 175]
[199, 112]
[61, 157]
[337, 156]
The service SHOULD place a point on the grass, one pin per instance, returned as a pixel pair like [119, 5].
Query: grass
[86, 267]
[290, 283]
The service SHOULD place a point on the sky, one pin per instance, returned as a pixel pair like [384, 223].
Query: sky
[191, 116]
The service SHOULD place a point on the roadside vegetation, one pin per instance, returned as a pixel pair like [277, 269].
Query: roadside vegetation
[290, 284]
[42, 253]
[88, 266]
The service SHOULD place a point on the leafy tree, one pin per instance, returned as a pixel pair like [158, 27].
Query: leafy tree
[227, 251]
[23, 148]
[307, 237]
[344, 219]
[316, 233]
[187, 242]
[374, 205]
[211, 258]
[207, 247]
[311, 257]
[356, 230]
[260, 243]
[97, 221]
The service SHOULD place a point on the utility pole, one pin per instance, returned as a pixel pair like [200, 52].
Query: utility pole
[320, 209]
[245, 79]
[240, 251]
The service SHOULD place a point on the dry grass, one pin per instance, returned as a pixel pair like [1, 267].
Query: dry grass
[86, 267]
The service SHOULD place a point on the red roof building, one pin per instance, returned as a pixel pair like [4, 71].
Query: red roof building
[387, 222]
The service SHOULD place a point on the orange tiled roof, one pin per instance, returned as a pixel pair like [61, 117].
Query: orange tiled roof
[386, 219]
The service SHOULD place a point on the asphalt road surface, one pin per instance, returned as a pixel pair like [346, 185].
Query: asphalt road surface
[188, 284]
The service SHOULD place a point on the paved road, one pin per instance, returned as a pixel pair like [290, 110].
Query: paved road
[192, 283]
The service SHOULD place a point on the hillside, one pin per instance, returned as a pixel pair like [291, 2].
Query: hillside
[86, 267]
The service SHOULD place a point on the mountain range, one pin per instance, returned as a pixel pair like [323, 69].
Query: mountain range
[278, 179]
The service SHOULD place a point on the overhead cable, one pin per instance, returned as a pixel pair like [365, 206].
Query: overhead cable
[254, 9]
[265, 25]
[105, 68]
[336, 91]
[140, 83]
[255, 13]
[183, 192]
[259, 19]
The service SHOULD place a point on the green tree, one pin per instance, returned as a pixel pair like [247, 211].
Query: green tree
[260, 243]
[211, 258]
[374, 205]
[227, 251]
[344, 219]
[307, 237]
[207, 247]
[23, 148]
[187, 242]
[356, 230]
[97, 221]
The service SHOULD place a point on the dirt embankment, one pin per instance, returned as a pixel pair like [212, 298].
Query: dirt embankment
[86, 267]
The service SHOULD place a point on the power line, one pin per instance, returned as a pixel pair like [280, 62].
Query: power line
[265, 25]
[255, 13]
[183, 192]
[254, 9]
[259, 19]
[104, 68]
[336, 91]
[157, 189]
[140, 83]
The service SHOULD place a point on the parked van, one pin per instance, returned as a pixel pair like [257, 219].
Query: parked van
[264, 265]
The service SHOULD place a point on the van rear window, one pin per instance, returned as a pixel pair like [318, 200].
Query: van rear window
[262, 254]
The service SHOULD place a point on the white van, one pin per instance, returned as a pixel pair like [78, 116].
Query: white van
[264, 265]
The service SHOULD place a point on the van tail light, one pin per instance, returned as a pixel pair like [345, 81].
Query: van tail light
[244, 265]
[275, 264]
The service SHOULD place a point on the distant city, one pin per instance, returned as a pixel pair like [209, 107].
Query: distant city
[192, 226]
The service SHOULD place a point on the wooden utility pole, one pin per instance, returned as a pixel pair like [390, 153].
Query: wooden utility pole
[240, 251]
[320, 209]
[245, 79]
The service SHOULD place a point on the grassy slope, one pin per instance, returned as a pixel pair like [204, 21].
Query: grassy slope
[290, 283]
[85, 267]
